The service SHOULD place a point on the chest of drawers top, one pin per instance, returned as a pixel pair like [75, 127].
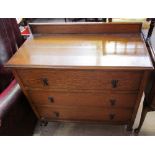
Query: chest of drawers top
[89, 51]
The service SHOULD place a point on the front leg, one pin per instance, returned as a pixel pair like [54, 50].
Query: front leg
[43, 122]
[144, 112]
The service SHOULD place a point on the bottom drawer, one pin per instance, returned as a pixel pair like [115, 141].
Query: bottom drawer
[85, 114]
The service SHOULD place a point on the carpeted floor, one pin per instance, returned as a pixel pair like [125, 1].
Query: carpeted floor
[80, 129]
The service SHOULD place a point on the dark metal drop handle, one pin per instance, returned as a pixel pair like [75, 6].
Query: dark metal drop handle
[113, 102]
[56, 114]
[112, 116]
[45, 81]
[114, 83]
[50, 99]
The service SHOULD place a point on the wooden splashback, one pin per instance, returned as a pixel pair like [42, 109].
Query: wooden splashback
[84, 28]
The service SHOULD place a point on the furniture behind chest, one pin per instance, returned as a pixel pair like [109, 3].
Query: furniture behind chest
[83, 72]
[149, 102]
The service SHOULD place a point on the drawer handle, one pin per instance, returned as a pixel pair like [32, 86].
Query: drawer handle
[56, 114]
[114, 83]
[113, 102]
[45, 81]
[112, 116]
[50, 99]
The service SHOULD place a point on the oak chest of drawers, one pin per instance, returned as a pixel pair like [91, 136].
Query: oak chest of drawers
[89, 77]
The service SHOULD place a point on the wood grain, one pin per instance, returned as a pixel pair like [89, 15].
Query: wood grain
[143, 84]
[68, 80]
[84, 28]
[107, 99]
[81, 114]
[112, 51]
[25, 93]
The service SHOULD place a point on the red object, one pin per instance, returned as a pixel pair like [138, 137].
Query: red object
[25, 31]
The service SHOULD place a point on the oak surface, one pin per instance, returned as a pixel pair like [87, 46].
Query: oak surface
[84, 28]
[84, 80]
[112, 51]
[106, 99]
[85, 114]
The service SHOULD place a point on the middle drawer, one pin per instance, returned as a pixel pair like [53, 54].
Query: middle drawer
[108, 99]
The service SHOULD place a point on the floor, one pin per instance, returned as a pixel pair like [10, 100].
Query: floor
[89, 129]
[80, 129]
[148, 128]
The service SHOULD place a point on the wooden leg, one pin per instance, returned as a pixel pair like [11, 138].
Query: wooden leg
[109, 20]
[43, 122]
[129, 127]
[144, 112]
[152, 24]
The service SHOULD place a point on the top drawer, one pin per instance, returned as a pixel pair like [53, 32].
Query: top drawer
[65, 79]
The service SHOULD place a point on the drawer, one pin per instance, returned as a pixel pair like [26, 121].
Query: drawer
[85, 114]
[108, 99]
[60, 79]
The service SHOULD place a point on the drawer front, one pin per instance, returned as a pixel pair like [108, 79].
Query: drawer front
[48, 98]
[80, 79]
[81, 114]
